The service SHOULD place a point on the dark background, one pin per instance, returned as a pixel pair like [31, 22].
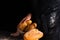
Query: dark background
[12, 12]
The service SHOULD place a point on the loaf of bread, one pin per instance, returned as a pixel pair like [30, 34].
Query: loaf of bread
[25, 25]
[33, 34]
[24, 22]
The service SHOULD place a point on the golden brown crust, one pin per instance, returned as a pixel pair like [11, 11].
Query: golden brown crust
[25, 25]
[25, 21]
[33, 34]
[22, 26]
[29, 22]
[31, 26]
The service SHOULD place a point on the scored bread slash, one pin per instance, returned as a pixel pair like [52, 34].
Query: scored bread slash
[31, 26]
[25, 21]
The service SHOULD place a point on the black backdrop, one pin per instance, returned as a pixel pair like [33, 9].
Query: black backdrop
[12, 11]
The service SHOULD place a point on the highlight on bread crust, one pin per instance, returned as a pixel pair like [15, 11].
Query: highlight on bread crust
[35, 24]
[28, 22]
[33, 34]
